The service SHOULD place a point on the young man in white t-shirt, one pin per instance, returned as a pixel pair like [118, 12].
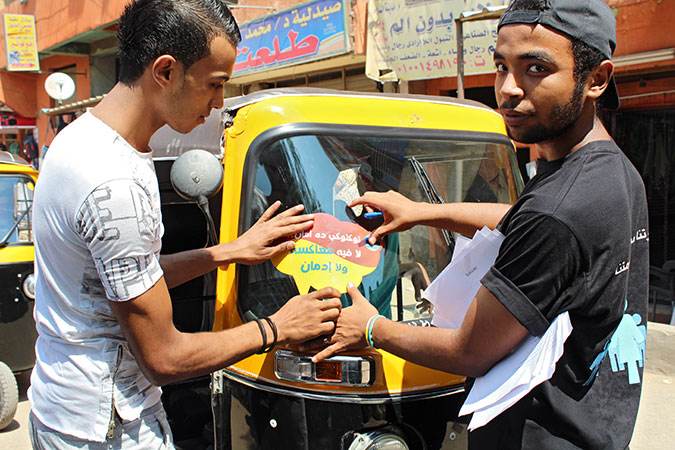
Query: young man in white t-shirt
[103, 312]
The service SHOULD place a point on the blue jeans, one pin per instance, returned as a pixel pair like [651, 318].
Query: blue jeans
[150, 431]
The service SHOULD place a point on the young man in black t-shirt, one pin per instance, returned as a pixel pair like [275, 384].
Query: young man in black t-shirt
[576, 241]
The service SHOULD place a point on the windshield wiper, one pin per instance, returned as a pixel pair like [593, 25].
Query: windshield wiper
[4, 240]
[430, 192]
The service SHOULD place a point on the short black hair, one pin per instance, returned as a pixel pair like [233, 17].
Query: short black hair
[183, 29]
[586, 58]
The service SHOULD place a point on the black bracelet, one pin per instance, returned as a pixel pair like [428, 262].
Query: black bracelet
[264, 335]
[274, 335]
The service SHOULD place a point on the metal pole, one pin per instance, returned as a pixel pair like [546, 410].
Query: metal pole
[459, 29]
[403, 86]
[489, 13]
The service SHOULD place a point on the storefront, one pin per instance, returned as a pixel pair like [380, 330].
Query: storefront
[18, 135]
[644, 128]
[71, 36]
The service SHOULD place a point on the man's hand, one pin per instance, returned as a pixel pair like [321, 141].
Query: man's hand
[396, 211]
[267, 237]
[264, 240]
[350, 328]
[420, 281]
[307, 316]
[166, 355]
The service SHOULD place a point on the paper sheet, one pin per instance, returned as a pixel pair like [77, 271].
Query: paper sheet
[532, 363]
[461, 243]
[529, 365]
[455, 287]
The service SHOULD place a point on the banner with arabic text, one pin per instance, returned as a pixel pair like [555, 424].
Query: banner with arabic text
[22, 53]
[416, 39]
[313, 30]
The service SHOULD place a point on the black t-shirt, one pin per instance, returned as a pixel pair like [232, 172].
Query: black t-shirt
[577, 240]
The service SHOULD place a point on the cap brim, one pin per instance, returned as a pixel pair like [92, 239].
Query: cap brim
[610, 98]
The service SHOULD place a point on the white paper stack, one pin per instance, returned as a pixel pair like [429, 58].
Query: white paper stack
[529, 364]
[532, 363]
[455, 287]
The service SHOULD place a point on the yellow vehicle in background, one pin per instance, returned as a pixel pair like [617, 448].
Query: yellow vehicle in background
[324, 148]
[17, 283]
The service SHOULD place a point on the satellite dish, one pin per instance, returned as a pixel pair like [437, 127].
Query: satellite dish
[59, 86]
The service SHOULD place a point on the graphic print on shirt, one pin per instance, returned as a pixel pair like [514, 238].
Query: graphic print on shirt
[91, 282]
[626, 349]
[93, 216]
[146, 217]
[123, 273]
[120, 227]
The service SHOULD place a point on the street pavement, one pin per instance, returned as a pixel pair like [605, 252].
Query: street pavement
[655, 429]
[15, 436]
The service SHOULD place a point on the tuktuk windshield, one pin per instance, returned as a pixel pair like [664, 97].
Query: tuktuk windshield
[16, 199]
[326, 172]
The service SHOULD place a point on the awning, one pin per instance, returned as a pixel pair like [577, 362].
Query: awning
[72, 107]
[13, 120]
[15, 130]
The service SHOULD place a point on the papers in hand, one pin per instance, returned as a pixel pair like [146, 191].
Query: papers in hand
[455, 287]
[532, 363]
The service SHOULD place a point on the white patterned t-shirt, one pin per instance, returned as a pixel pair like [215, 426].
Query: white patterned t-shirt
[98, 228]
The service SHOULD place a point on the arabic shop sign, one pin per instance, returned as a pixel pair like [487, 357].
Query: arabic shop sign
[311, 31]
[22, 51]
[414, 40]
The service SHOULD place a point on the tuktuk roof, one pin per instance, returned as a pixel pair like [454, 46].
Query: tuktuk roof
[9, 158]
[169, 144]
[233, 104]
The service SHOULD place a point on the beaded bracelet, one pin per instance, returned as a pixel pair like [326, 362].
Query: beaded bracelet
[369, 329]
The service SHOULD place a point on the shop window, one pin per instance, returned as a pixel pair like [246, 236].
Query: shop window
[648, 139]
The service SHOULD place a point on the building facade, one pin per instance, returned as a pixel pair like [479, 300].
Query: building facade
[322, 43]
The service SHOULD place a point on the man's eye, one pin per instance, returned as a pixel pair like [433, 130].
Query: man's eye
[536, 68]
[501, 67]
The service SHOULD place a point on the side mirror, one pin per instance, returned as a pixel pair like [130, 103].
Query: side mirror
[197, 175]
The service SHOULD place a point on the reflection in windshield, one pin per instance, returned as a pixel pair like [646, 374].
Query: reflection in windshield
[16, 198]
[325, 173]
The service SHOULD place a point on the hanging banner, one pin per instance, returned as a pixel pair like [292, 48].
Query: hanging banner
[313, 30]
[416, 39]
[22, 53]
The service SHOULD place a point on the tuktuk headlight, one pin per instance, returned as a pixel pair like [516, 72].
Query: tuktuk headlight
[342, 370]
[28, 286]
[378, 440]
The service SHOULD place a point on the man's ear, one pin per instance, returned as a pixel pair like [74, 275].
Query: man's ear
[599, 79]
[165, 69]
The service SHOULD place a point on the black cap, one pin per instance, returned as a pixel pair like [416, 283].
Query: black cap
[590, 21]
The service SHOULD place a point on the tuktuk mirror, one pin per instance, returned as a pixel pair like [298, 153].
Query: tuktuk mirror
[197, 175]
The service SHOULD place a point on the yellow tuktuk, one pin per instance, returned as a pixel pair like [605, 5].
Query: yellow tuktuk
[323, 148]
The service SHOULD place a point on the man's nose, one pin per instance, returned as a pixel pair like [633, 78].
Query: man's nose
[510, 88]
[218, 101]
